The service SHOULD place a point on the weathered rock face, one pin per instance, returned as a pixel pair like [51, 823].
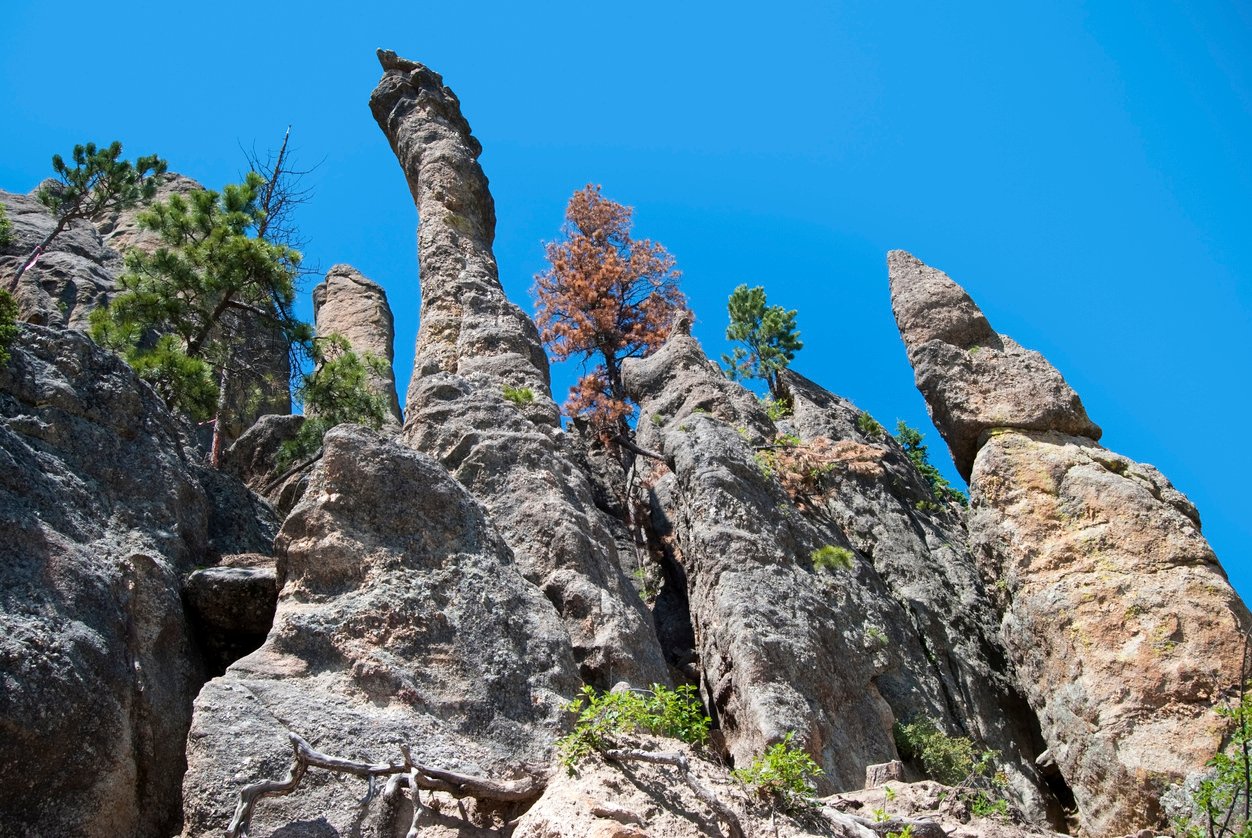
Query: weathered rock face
[253, 459]
[121, 231]
[68, 281]
[472, 344]
[348, 304]
[398, 622]
[1121, 625]
[973, 379]
[231, 606]
[948, 662]
[102, 517]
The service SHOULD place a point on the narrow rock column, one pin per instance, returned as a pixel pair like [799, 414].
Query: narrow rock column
[479, 401]
[348, 304]
[1121, 624]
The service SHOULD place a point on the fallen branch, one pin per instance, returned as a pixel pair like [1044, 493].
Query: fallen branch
[414, 774]
[680, 762]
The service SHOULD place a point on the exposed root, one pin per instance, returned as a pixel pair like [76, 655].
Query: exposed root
[413, 774]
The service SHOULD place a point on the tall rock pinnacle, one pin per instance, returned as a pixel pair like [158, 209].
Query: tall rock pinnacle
[973, 379]
[473, 346]
[348, 304]
[468, 325]
[1120, 622]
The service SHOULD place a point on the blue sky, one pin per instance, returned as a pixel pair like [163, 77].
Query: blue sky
[1082, 169]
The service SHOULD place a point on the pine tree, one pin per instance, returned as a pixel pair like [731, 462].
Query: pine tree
[769, 336]
[99, 183]
[179, 308]
[605, 297]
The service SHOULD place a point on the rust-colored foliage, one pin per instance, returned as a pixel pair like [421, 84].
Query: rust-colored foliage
[606, 297]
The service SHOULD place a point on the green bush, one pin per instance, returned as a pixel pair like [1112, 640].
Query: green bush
[830, 557]
[954, 761]
[519, 395]
[6, 229]
[911, 440]
[775, 409]
[605, 719]
[867, 425]
[782, 776]
[8, 324]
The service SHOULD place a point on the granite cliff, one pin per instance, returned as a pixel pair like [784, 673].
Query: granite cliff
[401, 621]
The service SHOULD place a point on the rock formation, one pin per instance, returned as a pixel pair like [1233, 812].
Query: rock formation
[410, 627]
[973, 379]
[1118, 618]
[472, 344]
[103, 515]
[348, 304]
[782, 646]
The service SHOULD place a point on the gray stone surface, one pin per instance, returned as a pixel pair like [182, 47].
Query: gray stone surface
[348, 304]
[471, 345]
[403, 619]
[973, 379]
[102, 517]
[231, 606]
[253, 458]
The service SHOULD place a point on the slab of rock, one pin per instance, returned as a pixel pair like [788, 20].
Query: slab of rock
[973, 379]
[403, 620]
[473, 344]
[1123, 628]
[348, 304]
[253, 459]
[103, 517]
[67, 282]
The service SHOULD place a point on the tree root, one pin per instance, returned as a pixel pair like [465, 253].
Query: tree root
[413, 774]
[680, 762]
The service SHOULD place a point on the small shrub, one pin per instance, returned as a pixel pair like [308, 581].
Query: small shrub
[867, 425]
[657, 420]
[798, 465]
[1216, 804]
[775, 409]
[8, 324]
[6, 229]
[911, 440]
[782, 776]
[876, 635]
[830, 557]
[907, 832]
[519, 395]
[954, 761]
[605, 719]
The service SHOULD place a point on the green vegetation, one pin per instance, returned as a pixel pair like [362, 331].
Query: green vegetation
[213, 276]
[519, 395]
[769, 337]
[867, 425]
[1220, 804]
[8, 324]
[911, 440]
[830, 557]
[782, 776]
[98, 184]
[954, 761]
[776, 410]
[337, 391]
[6, 228]
[606, 719]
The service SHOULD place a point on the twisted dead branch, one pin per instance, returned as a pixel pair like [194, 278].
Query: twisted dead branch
[413, 774]
[684, 768]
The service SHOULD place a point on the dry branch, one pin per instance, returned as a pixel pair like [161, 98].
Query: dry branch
[680, 762]
[414, 774]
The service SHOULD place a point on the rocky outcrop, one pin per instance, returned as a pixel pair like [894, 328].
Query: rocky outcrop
[103, 516]
[348, 304]
[1116, 615]
[120, 230]
[473, 344]
[403, 619]
[254, 459]
[973, 379]
[66, 283]
[781, 645]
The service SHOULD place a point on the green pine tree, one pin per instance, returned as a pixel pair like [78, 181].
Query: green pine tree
[769, 336]
[910, 440]
[98, 183]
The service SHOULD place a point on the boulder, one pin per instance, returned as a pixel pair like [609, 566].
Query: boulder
[973, 379]
[473, 346]
[103, 517]
[231, 606]
[403, 619]
[348, 304]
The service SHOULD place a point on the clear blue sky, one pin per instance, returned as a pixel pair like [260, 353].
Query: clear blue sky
[1082, 169]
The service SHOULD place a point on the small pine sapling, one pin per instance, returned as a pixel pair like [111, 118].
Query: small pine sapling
[769, 337]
